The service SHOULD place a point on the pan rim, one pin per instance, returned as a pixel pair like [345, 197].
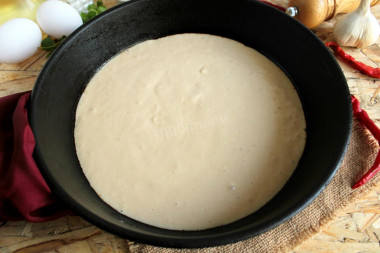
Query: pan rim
[180, 242]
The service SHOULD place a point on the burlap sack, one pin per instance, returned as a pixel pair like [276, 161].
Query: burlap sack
[359, 157]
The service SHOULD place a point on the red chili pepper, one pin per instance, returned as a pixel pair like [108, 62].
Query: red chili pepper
[360, 114]
[363, 117]
[373, 72]
[274, 5]
[363, 68]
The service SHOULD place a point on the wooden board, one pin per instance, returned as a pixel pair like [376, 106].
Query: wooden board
[356, 229]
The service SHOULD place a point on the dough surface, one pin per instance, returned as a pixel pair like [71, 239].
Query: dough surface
[189, 132]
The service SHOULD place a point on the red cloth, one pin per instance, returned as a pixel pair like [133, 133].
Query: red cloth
[24, 193]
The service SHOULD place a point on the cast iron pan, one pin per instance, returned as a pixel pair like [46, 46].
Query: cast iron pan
[313, 70]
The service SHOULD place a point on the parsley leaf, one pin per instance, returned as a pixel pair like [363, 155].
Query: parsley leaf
[93, 10]
[49, 44]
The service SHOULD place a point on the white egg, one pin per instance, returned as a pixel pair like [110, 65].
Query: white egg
[19, 40]
[57, 18]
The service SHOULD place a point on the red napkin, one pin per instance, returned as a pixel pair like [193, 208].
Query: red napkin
[24, 193]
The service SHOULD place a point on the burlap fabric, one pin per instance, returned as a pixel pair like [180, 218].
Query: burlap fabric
[359, 157]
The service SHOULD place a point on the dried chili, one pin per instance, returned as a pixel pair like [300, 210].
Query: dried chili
[363, 117]
[348, 59]
[274, 5]
[360, 114]
[363, 68]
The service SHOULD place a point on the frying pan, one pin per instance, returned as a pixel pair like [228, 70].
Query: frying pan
[314, 72]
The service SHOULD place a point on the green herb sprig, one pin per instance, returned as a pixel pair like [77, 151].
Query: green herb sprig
[93, 10]
[50, 44]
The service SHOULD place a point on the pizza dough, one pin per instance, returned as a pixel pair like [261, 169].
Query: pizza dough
[189, 132]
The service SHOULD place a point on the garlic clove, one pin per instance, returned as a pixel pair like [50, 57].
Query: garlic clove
[357, 29]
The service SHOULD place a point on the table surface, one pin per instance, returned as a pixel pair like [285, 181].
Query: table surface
[355, 229]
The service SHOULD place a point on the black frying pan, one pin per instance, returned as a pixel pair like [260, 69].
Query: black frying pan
[313, 70]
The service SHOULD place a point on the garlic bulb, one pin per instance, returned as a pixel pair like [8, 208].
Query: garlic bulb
[357, 29]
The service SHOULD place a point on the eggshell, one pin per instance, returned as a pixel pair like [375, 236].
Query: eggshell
[57, 18]
[19, 39]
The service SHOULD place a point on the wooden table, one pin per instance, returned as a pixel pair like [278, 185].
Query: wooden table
[356, 229]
